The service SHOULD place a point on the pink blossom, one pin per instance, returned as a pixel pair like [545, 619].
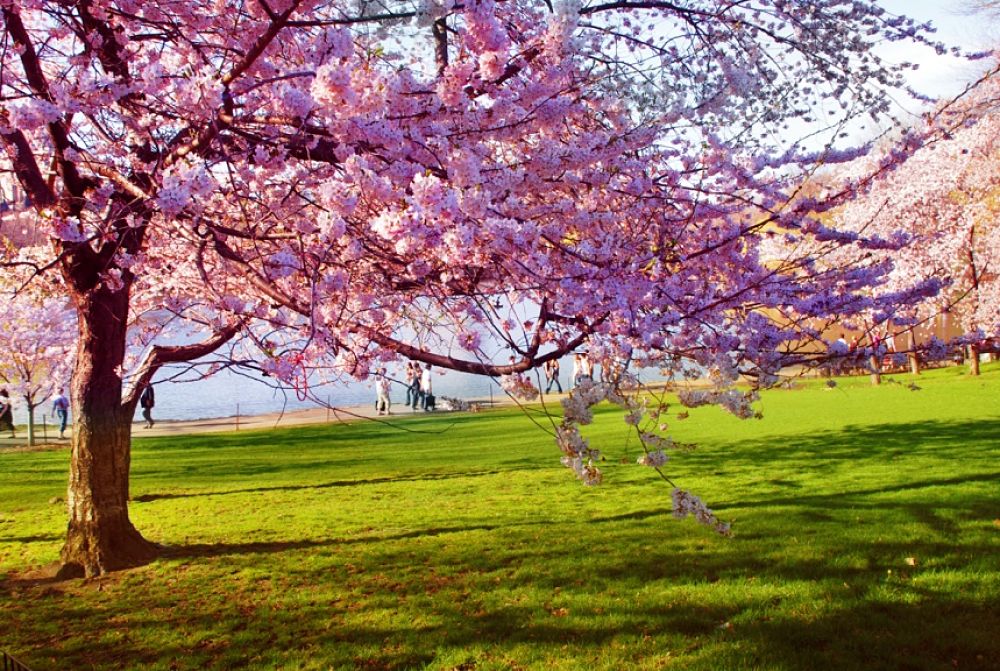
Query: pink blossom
[469, 340]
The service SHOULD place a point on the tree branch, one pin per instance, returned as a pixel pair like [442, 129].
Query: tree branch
[27, 170]
[160, 355]
[75, 184]
[440, 32]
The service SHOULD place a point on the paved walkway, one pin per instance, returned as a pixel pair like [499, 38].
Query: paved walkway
[171, 427]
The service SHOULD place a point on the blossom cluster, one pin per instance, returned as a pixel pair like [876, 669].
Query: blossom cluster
[581, 458]
[654, 459]
[739, 403]
[578, 456]
[519, 386]
[685, 503]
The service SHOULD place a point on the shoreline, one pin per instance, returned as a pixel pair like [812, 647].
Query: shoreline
[270, 420]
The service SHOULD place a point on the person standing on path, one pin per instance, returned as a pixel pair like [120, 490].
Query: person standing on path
[426, 389]
[582, 368]
[412, 380]
[383, 403]
[148, 400]
[551, 369]
[60, 407]
[6, 413]
[416, 388]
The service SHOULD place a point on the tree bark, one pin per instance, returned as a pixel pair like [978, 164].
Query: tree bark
[440, 32]
[876, 363]
[31, 424]
[912, 356]
[973, 360]
[100, 537]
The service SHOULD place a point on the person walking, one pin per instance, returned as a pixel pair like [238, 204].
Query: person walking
[148, 400]
[587, 367]
[60, 408]
[412, 382]
[416, 393]
[551, 369]
[6, 413]
[426, 389]
[383, 403]
[582, 369]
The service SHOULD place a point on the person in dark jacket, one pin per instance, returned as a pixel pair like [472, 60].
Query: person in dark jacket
[148, 400]
[6, 413]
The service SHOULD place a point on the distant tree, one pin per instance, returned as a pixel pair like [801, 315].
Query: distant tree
[37, 339]
[946, 197]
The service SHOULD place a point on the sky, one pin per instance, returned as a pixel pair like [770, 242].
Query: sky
[941, 76]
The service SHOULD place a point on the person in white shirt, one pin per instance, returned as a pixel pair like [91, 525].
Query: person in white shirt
[383, 403]
[426, 389]
[582, 368]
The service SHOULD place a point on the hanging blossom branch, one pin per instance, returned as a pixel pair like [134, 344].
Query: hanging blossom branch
[645, 420]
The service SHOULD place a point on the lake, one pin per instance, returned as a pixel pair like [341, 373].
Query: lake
[228, 393]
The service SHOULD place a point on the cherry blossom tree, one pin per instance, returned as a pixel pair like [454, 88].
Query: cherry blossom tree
[946, 197]
[37, 335]
[341, 184]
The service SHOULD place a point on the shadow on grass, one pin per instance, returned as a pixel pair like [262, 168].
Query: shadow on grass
[870, 636]
[881, 442]
[422, 477]
[934, 634]
[334, 433]
[218, 549]
[853, 497]
[922, 630]
[408, 624]
[48, 538]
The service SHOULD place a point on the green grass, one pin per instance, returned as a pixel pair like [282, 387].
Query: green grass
[867, 528]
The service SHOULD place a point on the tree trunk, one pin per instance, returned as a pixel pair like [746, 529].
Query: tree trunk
[876, 364]
[31, 424]
[973, 360]
[100, 536]
[912, 356]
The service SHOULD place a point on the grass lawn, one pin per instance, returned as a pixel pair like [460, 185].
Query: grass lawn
[867, 526]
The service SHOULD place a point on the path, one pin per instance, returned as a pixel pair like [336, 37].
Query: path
[178, 427]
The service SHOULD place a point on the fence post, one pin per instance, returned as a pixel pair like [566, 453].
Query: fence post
[237, 416]
[45, 434]
[11, 664]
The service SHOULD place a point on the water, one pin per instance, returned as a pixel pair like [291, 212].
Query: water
[228, 393]
[219, 395]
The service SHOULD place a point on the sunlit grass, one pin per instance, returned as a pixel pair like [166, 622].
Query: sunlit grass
[867, 528]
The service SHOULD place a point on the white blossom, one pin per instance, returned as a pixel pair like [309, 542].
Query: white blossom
[654, 459]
